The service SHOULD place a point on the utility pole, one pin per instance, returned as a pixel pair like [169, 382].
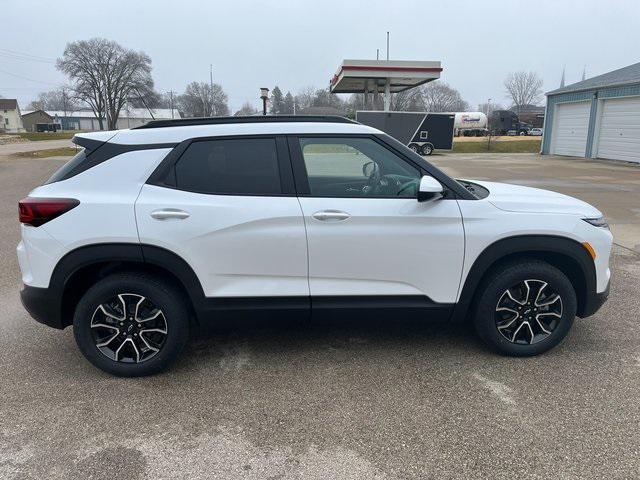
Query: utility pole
[377, 54]
[211, 86]
[387, 46]
[171, 101]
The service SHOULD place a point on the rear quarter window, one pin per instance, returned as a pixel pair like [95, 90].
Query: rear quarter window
[62, 172]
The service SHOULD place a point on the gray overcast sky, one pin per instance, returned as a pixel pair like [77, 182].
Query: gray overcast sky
[295, 44]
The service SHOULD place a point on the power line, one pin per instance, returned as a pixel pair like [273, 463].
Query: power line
[15, 52]
[27, 78]
[24, 59]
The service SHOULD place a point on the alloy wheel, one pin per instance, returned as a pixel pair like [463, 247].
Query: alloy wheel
[129, 328]
[528, 312]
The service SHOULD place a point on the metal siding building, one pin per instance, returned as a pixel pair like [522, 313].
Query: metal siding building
[596, 118]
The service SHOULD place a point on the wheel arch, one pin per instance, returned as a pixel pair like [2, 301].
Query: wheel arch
[564, 253]
[82, 267]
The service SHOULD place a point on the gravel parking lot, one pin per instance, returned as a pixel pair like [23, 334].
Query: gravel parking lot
[393, 400]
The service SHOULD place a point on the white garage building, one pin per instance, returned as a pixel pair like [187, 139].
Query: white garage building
[596, 118]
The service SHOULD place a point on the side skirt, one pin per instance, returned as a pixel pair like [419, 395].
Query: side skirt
[389, 307]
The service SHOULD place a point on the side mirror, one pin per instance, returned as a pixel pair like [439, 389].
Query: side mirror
[429, 188]
[369, 169]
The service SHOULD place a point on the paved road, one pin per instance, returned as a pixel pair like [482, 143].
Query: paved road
[23, 147]
[386, 401]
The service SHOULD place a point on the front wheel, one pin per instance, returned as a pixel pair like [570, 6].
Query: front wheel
[414, 148]
[525, 308]
[131, 324]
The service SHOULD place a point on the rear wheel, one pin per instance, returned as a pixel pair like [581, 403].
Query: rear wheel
[427, 149]
[414, 147]
[131, 324]
[525, 308]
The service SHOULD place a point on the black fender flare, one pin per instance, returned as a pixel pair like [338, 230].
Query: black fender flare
[128, 253]
[528, 245]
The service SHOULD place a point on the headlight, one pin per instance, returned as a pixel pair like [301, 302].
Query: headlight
[597, 222]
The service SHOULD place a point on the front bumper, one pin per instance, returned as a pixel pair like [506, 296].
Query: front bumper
[594, 301]
[42, 305]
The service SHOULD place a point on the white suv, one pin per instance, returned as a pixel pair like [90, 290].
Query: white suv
[149, 231]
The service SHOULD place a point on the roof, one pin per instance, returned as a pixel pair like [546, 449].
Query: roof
[622, 76]
[132, 113]
[182, 122]
[32, 112]
[354, 76]
[169, 135]
[8, 104]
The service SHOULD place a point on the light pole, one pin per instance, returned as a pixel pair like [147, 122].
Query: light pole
[488, 126]
[264, 95]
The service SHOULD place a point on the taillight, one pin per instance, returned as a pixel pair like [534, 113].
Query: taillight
[37, 211]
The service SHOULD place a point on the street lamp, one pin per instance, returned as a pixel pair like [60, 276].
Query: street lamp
[264, 95]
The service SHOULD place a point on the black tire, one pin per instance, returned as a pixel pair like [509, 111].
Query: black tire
[493, 290]
[427, 149]
[414, 147]
[174, 315]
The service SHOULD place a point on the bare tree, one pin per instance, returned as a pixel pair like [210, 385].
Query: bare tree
[105, 75]
[488, 107]
[406, 101]
[304, 97]
[440, 97]
[246, 110]
[58, 99]
[523, 88]
[199, 100]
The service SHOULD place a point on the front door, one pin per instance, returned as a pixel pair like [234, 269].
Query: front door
[367, 233]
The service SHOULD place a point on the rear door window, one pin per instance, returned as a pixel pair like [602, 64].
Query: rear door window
[230, 167]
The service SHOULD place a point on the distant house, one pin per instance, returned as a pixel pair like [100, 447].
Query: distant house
[129, 118]
[38, 121]
[10, 118]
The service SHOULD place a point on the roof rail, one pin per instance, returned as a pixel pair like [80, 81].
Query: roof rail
[186, 122]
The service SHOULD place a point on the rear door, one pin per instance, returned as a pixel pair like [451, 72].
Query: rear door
[227, 206]
[368, 235]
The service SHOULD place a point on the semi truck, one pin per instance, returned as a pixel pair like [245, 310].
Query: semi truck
[422, 132]
[505, 122]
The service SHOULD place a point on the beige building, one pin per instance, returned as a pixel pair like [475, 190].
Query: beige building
[38, 120]
[10, 118]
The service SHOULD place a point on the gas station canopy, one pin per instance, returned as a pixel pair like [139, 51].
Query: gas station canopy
[382, 76]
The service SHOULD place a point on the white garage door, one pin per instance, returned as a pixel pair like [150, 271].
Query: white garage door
[619, 136]
[570, 129]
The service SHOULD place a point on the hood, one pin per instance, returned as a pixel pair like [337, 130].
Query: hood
[515, 198]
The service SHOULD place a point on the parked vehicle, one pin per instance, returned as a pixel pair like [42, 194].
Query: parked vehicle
[150, 231]
[422, 132]
[470, 124]
[535, 132]
[506, 122]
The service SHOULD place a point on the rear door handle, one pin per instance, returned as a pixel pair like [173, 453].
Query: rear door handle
[167, 213]
[331, 216]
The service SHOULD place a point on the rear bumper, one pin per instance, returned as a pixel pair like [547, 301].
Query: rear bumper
[42, 305]
[594, 301]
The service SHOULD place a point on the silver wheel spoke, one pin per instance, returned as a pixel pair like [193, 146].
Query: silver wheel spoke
[542, 327]
[135, 314]
[108, 340]
[104, 325]
[549, 302]
[110, 315]
[508, 324]
[147, 330]
[152, 317]
[548, 314]
[508, 292]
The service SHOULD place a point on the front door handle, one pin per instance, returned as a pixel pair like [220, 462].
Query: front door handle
[167, 213]
[331, 216]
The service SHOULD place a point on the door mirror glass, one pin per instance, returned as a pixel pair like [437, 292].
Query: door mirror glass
[429, 188]
[369, 168]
